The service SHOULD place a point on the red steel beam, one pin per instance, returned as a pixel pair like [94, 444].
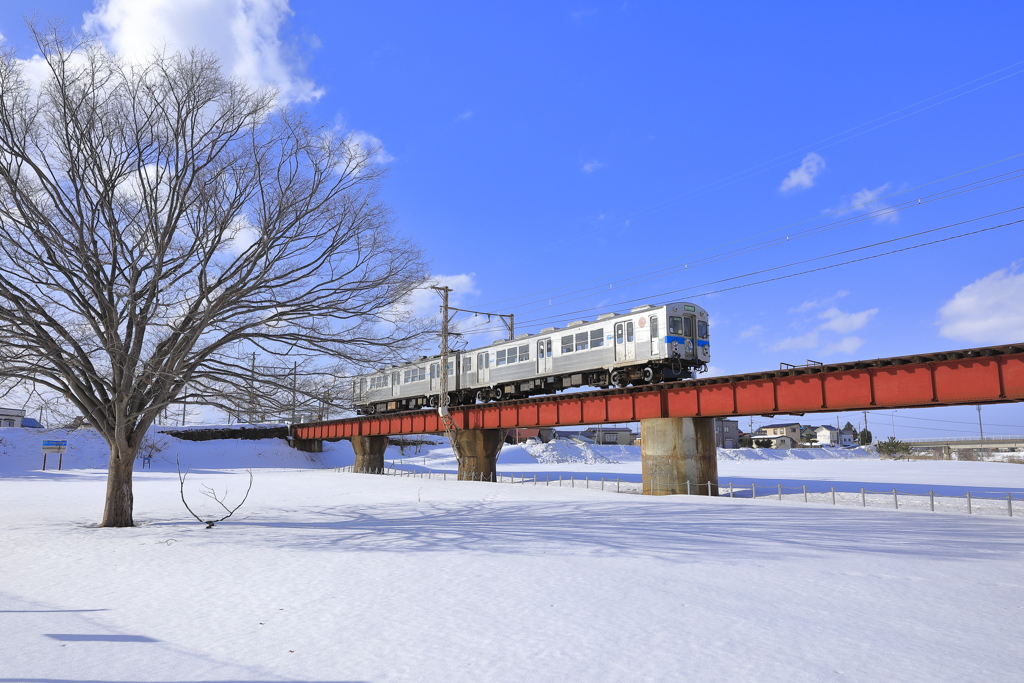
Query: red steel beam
[987, 375]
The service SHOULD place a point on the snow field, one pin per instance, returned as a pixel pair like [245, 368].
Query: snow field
[327, 576]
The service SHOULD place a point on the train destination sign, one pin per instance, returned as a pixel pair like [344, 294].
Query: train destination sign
[55, 445]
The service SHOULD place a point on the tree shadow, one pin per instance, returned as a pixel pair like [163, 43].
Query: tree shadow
[672, 529]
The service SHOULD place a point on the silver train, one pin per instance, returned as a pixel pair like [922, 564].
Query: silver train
[648, 344]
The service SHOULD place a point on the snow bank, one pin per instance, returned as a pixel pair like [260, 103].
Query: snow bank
[796, 453]
[21, 451]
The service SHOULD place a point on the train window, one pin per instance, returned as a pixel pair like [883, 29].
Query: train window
[451, 370]
[524, 353]
[629, 331]
[512, 355]
[654, 327]
[394, 378]
[434, 367]
[408, 376]
[467, 363]
[618, 333]
[702, 329]
[567, 344]
[687, 327]
[501, 357]
[581, 341]
[596, 338]
[549, 348]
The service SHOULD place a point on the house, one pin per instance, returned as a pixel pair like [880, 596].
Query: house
[622, 436]
[826, 435]
[727, 433]
[781, 435]
[11, 417]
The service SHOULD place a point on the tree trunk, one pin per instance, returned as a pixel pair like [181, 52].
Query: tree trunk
[118, 509]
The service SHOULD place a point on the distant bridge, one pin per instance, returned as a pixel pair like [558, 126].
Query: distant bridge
[968, 442]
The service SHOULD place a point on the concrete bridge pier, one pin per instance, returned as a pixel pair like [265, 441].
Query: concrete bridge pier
[308, 445]
[479, 449]
[369, 452]
[676, 451]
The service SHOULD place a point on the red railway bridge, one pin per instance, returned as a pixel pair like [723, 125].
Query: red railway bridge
[676, 418]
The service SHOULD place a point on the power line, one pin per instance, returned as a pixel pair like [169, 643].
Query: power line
[785, 227]
[754, 170]
[845, 222]
[568, 315]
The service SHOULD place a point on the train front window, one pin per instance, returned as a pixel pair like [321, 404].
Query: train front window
[675, 325]
[596, 338]
[567, 344]
[581, 341]
[687, 327]
[702, 329]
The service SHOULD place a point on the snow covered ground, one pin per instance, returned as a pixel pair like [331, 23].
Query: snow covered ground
[334, 576]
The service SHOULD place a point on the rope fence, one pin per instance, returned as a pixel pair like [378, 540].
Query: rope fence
[972, 502]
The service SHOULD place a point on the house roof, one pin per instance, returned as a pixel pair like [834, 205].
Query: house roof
[828, 427]
[31, 423]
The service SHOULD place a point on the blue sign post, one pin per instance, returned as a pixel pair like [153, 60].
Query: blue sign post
[54, 446]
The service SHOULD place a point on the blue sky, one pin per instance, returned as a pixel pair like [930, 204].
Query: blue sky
[545, 153]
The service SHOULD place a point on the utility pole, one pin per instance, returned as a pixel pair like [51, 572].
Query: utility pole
[981, 430]
[295, 379]
[444, 399]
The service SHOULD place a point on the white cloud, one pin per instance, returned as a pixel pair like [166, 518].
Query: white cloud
[370, 144]
[752, 331]
[845, 346]
[425, 302]
[464, 115]
[866, 201]
[818, 303]
[845, 322]
[592, 166]
[802, 177]
[835, 321]
[806, 341]
[987, 311]
[243, 33]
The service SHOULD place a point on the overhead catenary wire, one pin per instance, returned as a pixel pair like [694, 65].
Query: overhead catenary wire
[611, 306]
[828, 141]
[548, 293]
[845, 222]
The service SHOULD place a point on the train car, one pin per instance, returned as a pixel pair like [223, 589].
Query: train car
[648, 344]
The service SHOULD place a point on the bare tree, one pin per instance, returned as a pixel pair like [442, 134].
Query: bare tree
[160, 222]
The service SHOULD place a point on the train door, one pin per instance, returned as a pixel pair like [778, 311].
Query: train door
[395, 385]
[655, 337]
[544, 356]
[435, 377]
[483, 368]
[689, 329]
[625, 342]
